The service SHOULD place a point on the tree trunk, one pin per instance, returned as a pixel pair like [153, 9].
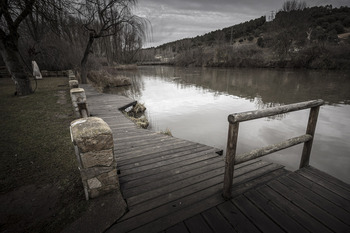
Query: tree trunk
[11, 57]
[85, 59]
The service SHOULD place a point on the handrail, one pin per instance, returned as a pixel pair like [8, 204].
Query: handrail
[235, 119]
[252, 115]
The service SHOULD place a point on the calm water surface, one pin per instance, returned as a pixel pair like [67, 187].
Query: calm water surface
[194, 104]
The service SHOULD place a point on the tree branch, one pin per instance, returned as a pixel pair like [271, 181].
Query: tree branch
[28, 9]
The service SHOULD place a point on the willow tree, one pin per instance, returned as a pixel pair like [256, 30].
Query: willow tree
[106, 18]
[12, 14]
[39, 16]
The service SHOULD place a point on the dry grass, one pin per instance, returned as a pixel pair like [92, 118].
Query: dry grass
[167, 132]
[136, 114]
[141, 122]
[104, 79]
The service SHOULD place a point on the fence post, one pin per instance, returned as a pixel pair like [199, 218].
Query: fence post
[311, 127]
[230, 159]
[77, 93]
[83, 110]
[73, 84]
[93, 143]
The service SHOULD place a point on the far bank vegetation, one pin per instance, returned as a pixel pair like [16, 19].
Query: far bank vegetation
[295, 37]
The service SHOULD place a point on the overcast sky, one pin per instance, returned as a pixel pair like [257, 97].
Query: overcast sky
[177, 19]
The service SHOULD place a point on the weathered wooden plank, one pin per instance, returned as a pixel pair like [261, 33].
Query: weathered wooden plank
[216, 221]
[322, 191]
[162, 217]
[171, 196]
[197, 224]
[125, 125]
[272, 148]
[291, 210]
[135, 137]
[158, 155]
[181, 147]
[318, 200]
[152, 151]
[211, 169]
[307, 206]
[185, 210]
[191, 150]
[283, 220]
[243, 183]
[171, 158]
[181, 165]
[144, 145]
[328, 185]
[180, 227]
[128, 133]
[236, 218]
[328, 177]
[141, 145]
[177, 216]
[142, 172]
[257, 178]
[158, 147]
[251, 115]
[255, 215]
[244, 174]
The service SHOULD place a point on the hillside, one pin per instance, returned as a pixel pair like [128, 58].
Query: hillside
[316, 37]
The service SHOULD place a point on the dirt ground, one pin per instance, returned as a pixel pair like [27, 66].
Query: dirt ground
[26, 206]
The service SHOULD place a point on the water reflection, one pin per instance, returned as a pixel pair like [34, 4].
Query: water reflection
[194, 104]
[270, 86]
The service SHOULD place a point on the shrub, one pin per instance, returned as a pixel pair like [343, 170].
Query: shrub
[104, 79]
[260, 42]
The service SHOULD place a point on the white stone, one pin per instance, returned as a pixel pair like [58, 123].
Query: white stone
[94, 183]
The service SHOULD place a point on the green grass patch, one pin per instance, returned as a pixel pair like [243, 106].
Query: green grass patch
[36, 148]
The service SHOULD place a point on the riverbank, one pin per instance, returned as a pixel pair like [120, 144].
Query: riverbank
[41, 189]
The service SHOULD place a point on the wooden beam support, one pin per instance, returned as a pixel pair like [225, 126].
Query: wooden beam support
[230, 159]
[272, 148]
[311, 127]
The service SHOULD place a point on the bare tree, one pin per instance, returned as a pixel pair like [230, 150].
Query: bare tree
[12, 14]
[293, 5]
[105, 18]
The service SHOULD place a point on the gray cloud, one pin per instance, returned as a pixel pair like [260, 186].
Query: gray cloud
[176, 19]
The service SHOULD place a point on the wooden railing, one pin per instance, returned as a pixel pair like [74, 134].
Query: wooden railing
[235, 119]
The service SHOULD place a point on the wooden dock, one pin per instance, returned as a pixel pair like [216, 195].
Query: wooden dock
[174, 185]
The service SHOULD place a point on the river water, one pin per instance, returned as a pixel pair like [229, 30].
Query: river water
[194, 104]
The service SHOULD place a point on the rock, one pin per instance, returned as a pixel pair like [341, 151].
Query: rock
[91, 134]
[97, 158]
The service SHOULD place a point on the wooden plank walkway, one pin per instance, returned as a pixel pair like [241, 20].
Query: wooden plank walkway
[174, 185]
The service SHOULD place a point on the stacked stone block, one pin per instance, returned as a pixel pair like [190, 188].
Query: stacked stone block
[93, 142]
[77, 95]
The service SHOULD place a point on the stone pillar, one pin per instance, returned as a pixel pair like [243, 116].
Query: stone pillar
[71, 75]
[93, 143]
[77, 95]
[73, 84]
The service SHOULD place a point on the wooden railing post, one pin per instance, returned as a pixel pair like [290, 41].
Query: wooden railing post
[230, 158]
[311, 127]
